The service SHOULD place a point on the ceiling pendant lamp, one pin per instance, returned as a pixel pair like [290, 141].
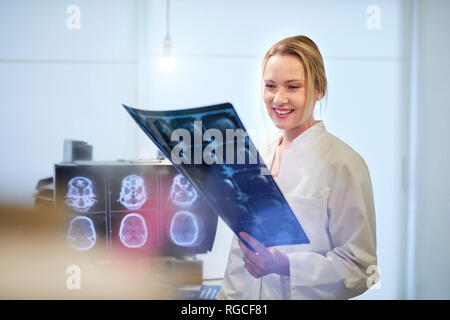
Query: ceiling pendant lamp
[167, 62]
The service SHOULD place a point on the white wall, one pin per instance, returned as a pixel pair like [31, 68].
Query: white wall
[219, 45]
[432, 252]
[58, 84]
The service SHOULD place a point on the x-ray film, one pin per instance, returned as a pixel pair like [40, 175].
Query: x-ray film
[210, 147]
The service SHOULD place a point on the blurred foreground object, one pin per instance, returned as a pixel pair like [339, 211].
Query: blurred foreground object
[37, 264]
[44, 196]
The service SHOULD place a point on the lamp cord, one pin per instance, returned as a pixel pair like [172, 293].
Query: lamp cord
[167, 19]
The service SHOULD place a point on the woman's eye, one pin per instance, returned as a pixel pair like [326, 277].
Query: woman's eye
[294, 87]
[270, 86]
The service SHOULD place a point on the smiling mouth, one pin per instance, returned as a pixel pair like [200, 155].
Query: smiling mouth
[282, 111]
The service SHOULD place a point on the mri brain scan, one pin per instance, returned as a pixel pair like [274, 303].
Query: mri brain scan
[184, 229]
[81, 233]
[133, 231]
[132, 192]
[80, 194]
[182, 192]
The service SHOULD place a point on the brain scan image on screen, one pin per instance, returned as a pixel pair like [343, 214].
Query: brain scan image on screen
[133, 231]
[182, 192]
[132, 192]
[81, 235]
[80, 194]
[184, 229]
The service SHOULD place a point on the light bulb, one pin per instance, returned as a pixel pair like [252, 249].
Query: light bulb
[166, 62]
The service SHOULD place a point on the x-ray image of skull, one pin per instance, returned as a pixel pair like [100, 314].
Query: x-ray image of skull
[81, 235]
[182, 192]
[133, 231]
[132, 192]
[184, 229]
[80, 194]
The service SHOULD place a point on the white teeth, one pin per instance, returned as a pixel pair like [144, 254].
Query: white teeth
[283, 111]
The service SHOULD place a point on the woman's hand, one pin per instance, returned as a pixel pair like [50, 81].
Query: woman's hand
[263, 260]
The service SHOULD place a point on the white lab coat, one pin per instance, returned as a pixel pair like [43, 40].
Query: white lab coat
[328, 187]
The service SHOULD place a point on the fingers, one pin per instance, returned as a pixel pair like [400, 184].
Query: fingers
[251, 258]
[255, 260]
[252, 268]
[244, 248]
[263, 260]
[255, 257]
[251, 264]
[247, 252]
[254, 272]
[255, 244]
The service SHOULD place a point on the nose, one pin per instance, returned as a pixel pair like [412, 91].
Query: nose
[280, 98]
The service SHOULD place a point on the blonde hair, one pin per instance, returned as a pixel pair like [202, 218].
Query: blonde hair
[308, 52]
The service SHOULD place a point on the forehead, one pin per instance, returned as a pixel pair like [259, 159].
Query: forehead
[284, 67]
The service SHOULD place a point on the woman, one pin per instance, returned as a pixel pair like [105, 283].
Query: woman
[327, 185]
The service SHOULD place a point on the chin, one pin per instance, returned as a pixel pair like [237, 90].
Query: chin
[282, 125]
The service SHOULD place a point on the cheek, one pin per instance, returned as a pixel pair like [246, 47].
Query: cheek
[300, 97]
[268, 98]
